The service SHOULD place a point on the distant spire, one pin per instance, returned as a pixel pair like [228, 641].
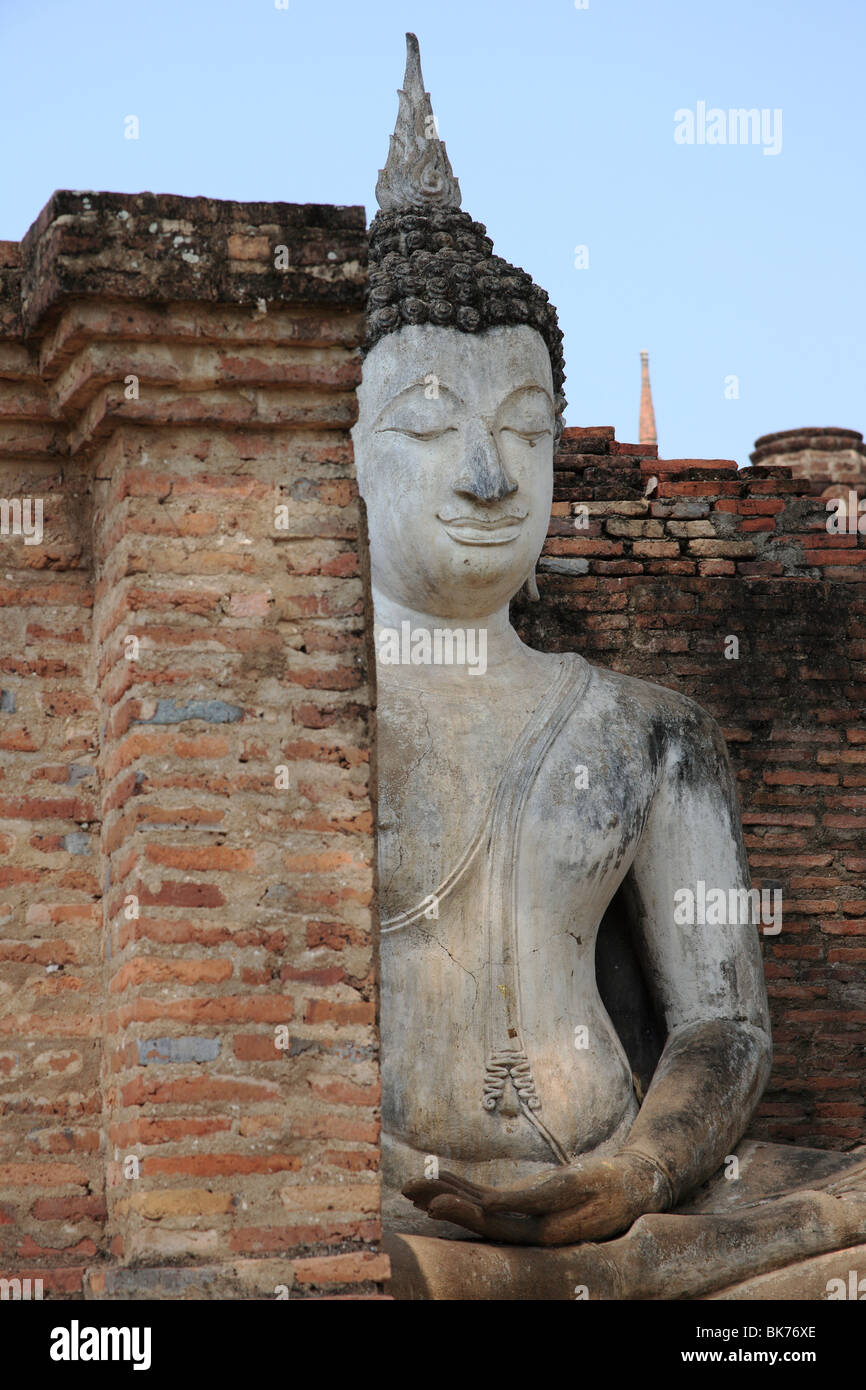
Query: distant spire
[647, 427]
[417, 172]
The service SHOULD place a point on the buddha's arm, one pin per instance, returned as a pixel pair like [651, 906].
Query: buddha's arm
[707, 978]
[706, 1086]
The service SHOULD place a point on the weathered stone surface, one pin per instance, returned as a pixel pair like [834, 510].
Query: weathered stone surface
[185, 724]
[157, 246]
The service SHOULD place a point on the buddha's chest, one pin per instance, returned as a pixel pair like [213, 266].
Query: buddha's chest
[439, 765]
[574, 816]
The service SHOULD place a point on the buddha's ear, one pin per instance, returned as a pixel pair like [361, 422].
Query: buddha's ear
[531, 587]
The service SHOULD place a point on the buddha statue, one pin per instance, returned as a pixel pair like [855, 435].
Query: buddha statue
[520, 794]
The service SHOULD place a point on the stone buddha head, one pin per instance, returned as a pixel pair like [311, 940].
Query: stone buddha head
[461, 400]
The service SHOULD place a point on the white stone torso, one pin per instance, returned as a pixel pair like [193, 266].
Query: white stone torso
[439, 761]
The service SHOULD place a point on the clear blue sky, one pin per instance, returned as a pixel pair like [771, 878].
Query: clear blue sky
[559, 123]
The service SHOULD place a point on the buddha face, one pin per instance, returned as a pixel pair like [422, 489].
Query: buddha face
[454, 451]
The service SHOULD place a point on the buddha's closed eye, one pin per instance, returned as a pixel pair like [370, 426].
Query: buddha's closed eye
[433, 433]
[531, 436]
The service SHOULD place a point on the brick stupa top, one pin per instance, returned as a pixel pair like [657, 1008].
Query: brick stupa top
[429, 262]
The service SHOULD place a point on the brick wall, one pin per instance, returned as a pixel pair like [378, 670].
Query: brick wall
[675, 557]
[188, 1065]
[188, 1071]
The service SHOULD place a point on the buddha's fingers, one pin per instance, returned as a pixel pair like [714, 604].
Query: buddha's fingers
[592, 1222]
[462, 1187]
[424, 1189]
[514, 1230]
[560, 1192]
[421, 1191]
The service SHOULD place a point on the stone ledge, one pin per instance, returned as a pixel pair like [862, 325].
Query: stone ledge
[341, 1277]
[162, 247]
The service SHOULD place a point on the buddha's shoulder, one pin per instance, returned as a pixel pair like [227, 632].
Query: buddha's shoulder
[626, 704]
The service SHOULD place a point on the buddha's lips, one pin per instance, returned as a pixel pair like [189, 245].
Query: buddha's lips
[472, 530]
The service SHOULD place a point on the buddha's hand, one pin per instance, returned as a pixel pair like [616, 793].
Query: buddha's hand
[593, 1199]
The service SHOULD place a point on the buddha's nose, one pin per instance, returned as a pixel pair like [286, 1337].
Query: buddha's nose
[483, 476]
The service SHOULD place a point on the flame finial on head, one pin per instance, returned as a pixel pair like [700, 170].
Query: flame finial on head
[429, 262]
[417, 172]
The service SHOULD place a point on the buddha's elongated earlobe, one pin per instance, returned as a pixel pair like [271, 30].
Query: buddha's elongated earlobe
[531, 587]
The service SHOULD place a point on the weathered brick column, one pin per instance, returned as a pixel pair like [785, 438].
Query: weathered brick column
[202, 358]
[52, 1206]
